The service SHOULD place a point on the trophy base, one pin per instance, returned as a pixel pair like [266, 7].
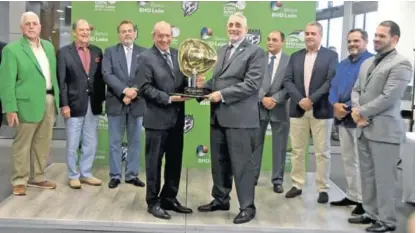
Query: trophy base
[192, 92]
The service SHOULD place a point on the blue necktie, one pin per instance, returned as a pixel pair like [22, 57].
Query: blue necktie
[271, 64]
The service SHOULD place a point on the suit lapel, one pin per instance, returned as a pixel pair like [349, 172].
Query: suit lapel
[75, 55]
[123, 60]
[49, 54]
[134, 56]
[318, 60]
[30, 54]
[280, 68]
[384, 61]
[163, 62]
[237, 51]
[93, 62]
[221, 55]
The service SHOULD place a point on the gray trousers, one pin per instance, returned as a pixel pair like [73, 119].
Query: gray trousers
[378, 167]
[349, 154]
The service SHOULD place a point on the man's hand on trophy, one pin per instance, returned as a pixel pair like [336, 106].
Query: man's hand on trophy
[176, 98]
[200, 80]
[214, 97]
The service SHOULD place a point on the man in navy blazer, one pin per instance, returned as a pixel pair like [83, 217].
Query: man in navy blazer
[124, 106]
[307, 79]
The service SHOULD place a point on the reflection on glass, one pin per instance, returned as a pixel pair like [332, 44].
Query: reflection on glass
[335, 37]
[324, 24]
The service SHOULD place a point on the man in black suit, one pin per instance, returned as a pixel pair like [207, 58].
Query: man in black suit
[163, 120]
[82, 92]
[123, 106]
[307, 79]
[2, 45]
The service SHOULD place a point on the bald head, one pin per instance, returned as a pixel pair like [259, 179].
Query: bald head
[30, 25]
[162, 35]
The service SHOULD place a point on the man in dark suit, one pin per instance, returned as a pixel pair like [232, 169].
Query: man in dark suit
[2, 45]
[307, 79]
[164, 120]
[235, 84]
[273, 109]
[82, 92]
[123, 105]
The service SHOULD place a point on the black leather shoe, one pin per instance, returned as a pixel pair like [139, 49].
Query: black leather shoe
[213, 206]
[158, 212]
[380, 227]
[176, 206]
[277, 188]
[323, 197]
[113, 183]
[361, 219]
[358, 210]
[136, 182]
[293, 192]
[343, 202]
[244, 216]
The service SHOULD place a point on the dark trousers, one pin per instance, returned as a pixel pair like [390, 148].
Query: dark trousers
[158, 143]
[232, 154]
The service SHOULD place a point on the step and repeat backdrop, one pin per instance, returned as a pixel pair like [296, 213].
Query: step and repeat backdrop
[202, 20]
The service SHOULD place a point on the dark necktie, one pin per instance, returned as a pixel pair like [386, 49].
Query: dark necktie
[271, 66]
[168, 60]
[227, 53]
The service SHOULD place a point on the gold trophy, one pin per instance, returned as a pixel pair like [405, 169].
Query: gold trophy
[195, 58]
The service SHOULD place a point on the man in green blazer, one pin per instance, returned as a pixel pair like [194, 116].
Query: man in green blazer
[30, 97]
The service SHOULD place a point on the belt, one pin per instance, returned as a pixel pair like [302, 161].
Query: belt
[50, 92]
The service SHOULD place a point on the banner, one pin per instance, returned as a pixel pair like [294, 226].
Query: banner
[194, 19]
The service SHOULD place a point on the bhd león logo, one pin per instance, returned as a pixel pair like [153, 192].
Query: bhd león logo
[254, 36]
[233, 6]
[275, 5]
[189, 7]
[206, 33]
[201, 151]
[150, 7]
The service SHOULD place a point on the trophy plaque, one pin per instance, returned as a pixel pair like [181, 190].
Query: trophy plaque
[195, 58]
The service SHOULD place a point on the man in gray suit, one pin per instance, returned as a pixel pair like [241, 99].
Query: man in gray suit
[273, 109]
[235, 85]
[124, 106]
[376, 100]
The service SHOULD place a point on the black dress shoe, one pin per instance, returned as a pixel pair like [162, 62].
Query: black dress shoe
[244, 216]
[323, 197]
[136, 182]
[362, 219]
[358, 210]
[113, 183]
[293, 192]
[176, 206]
[213, 206]
[380, 227]
[158, 212]
[343, 202]
[278, 188]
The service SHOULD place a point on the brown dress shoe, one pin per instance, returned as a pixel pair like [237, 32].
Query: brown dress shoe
[42, 184]
[19, 190]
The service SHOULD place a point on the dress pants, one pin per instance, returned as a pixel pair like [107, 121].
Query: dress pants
[158, 143]
[232, 154]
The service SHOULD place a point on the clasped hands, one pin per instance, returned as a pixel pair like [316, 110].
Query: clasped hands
[358, 119]
[305, 104]
[129, 95]
[214, 97]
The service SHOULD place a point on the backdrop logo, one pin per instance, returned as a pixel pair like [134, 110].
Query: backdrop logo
[109, 6]
[233, 6]
[201, 151]
[206, 33]
[296, 40]
[275, 5]
[189, 7]
[254, 36]
[176, 32]
[189, 123]
[98, 36]
[148, 7]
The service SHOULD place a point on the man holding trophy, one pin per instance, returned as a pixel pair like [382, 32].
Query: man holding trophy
[234, 87]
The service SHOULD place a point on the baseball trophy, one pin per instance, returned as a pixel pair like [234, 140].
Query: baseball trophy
[195, 58]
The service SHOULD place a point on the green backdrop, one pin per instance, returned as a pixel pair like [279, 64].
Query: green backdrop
[204, 20]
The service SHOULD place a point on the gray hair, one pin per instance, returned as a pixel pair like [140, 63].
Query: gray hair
[26, 14]
[160, 23]
[318, 25]
[240, 15]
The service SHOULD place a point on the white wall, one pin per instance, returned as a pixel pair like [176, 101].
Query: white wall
[403, 13]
